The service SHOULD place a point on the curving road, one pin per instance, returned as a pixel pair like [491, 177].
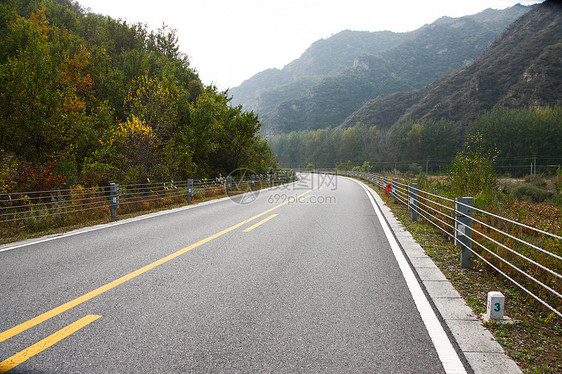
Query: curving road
[300, 279]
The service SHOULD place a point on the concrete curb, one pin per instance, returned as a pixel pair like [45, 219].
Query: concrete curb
[482, 352]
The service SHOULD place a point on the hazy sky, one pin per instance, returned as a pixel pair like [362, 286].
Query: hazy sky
[228, 41]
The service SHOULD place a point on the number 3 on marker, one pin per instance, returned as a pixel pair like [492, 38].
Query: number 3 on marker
[498, 307]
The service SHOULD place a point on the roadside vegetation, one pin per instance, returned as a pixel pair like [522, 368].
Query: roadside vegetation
[86, 100]
[513, 134]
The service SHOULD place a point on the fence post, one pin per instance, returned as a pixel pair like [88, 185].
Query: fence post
[228, 185]
[189, 190]
[268, 180]
[114, 199]
[395, 190]
[463, 228]
[413, 200]
[253, 183]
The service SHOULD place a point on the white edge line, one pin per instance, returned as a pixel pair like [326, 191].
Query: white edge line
[117, 223]
[447, 354]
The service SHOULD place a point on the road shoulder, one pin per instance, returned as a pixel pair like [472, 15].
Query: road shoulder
[478, 346]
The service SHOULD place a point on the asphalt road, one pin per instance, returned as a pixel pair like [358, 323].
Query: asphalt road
[314, 288]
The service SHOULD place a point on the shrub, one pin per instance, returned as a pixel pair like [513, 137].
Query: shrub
[536, 180]
[414, 169]
[473, 174]
[530, 192]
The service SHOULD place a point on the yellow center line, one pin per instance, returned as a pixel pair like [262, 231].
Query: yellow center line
[40, 346]
[260, 222]
[79, 300]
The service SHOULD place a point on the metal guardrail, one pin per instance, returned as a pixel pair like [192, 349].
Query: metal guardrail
[528, 257]
[44, 208]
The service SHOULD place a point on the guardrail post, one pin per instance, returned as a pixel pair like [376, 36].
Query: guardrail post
[395, 190]
[189, 190]
[114, 199]
[413, 200]
[253, 182]
[228, 185]
[384, 181]
[463, 228]
[268, 180]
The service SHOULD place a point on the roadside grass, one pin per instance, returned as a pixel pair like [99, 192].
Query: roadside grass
[534, 340]
[22, 231]
[91, 221]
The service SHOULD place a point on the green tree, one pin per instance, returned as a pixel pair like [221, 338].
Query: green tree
[472, 173]
[438, 140]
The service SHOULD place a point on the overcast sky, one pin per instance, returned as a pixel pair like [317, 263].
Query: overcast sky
[228, 41]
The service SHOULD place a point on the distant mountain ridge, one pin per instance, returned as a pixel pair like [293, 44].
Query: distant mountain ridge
[323, 58]
[336, 76]
[522, 67]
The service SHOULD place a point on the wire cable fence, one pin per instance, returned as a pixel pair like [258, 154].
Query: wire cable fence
[528, 257]
[41, 210]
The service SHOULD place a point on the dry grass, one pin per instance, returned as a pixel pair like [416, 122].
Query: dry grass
[36, 227]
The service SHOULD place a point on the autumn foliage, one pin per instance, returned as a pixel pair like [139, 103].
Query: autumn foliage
[88, 99]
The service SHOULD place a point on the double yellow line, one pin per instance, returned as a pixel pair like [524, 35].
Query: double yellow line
[50, 340]
[16, 359]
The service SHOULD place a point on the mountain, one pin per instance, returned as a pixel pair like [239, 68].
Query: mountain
[522, 67]
[325, 57]
[336, 76]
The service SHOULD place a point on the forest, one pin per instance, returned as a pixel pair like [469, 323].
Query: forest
[86, 99]
[508, 133]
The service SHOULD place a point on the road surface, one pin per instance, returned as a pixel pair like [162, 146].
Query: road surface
[299, 278]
